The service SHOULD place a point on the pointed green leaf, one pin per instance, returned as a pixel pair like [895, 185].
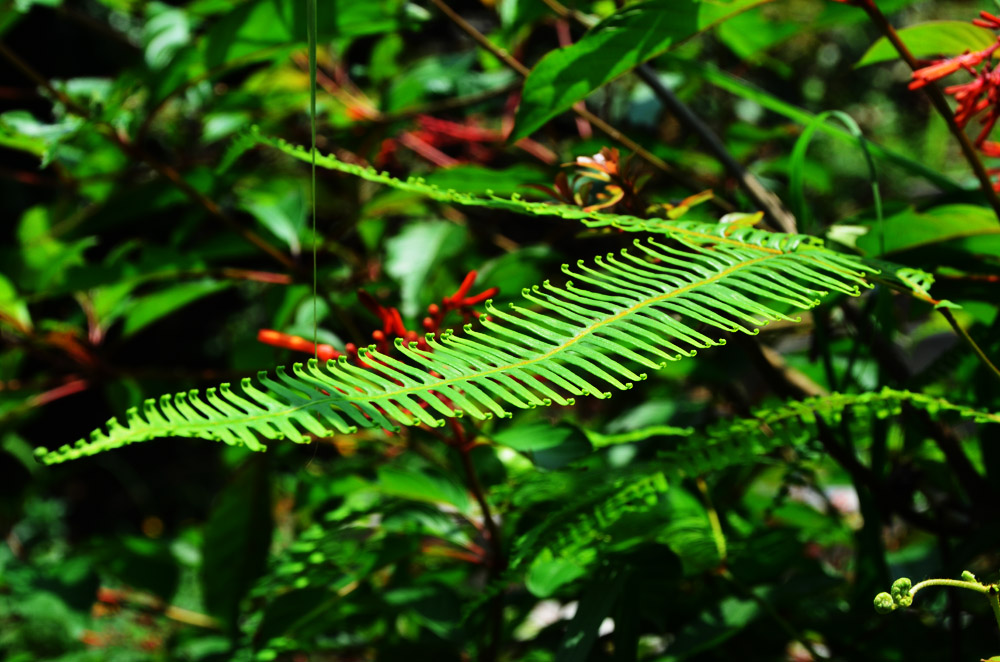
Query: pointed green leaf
[910, 228]
[547, 574]
[933, 38]
[616, 45]
[428, 486]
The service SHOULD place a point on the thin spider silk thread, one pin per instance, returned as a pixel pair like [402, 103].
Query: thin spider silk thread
[312, 37]
[311, 27]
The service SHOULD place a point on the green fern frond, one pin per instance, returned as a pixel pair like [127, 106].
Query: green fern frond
[569, 532]
[638, 308]
[693, 231]
[745, 440]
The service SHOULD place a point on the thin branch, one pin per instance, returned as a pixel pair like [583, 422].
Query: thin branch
[763, 198]
[610, 131]
[151, 604]
[938, 100]
[498, 560]
[134, 152]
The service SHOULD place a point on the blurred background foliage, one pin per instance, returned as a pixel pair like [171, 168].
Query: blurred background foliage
[137, 259]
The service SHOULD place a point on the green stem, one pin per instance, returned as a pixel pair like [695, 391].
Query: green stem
[311, 29]
[713, 519]
[954, 583]
[972, 343]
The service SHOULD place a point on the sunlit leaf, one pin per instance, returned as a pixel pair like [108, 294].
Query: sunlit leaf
[616, 45]
[930, 39]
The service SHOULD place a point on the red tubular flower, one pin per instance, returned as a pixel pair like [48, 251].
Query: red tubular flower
[482, 296]
[460, 293]
[987, 20]
[941, 68]
[295, 343]
[969, 99]
[392, 326]
[459, 301]
[990, 149]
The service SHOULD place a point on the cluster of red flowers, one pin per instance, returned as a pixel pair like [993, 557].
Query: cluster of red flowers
[979, 97]
[476, 144]
[392, 324]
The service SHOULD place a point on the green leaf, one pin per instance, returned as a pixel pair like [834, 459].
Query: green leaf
[237, 539]
[547, 574]
[763, 28]
[616, 45]
[46, 258]
[911, 228]
[929, 39]
[12, 305]
[280, 205]
[423, 486]
[796, 168]
[265, 23]
[263, 29]
[549, 446]
[20, 131]
[579, 345]
[155, 306]
[415, 252]
[167, 29]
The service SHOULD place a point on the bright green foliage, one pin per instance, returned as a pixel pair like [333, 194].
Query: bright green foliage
[638, 307]
[930, 39]
[614, 46]
[798, 419]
